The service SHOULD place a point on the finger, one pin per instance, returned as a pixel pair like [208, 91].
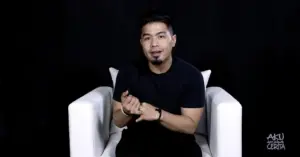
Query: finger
[142, 109]
[136, 104]
[136, 107]
[127, 101]
[139, 119]
[124, 94]
[133, 101]
[132, 104]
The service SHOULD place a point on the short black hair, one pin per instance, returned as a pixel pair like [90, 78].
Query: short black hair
[156, 16]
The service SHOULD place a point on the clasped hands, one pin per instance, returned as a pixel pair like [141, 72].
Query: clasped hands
[131, 105]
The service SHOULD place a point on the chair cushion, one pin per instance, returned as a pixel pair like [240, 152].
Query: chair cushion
[202, 129]
[203, 144]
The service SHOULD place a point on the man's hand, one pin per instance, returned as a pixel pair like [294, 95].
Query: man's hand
[124, 96]
[148, 113]
[130, 104]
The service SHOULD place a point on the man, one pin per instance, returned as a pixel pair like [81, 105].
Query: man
[161, 100]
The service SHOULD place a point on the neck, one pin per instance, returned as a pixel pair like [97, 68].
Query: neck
[162, 68]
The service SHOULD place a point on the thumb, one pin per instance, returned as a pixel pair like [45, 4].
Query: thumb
[140, 118]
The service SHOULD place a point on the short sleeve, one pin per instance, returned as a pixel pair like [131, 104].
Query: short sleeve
[122, 83]
[194, 92]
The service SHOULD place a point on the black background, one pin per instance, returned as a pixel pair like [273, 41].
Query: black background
[63, 49]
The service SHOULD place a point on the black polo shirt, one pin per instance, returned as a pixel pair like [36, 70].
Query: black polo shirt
[182, 86]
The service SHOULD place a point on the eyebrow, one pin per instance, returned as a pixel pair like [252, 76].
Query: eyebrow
[162, 32]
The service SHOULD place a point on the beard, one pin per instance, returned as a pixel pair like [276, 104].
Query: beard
[156, 61]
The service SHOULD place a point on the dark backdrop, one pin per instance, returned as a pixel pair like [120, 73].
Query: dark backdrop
[63, 50]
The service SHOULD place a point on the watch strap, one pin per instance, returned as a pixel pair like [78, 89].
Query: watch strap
[159, 111]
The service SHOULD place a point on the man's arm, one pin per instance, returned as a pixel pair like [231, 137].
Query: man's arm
[193, 100]
[122, 84]
[120, 119]
[124, 110]
[185, 123]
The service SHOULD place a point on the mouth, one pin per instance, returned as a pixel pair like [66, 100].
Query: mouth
[156, 54]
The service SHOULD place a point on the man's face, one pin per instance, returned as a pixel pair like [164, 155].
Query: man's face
[157, 42]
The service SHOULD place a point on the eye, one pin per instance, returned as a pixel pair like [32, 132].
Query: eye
[161, 36]
[146, 38]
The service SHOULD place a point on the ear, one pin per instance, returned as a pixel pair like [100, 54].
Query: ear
[141, 41]
[174, 39]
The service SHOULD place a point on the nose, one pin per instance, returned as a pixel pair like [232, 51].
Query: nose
[154, 43]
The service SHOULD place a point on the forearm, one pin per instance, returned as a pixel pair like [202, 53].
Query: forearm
[179, 123]
[120, 119]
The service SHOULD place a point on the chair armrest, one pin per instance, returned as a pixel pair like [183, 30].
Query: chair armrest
[224, 123]
[114, 139]
[89, 123]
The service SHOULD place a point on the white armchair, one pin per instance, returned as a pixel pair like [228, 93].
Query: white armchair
[92, 133]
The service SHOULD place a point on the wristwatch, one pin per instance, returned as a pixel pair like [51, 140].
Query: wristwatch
[159, 111]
